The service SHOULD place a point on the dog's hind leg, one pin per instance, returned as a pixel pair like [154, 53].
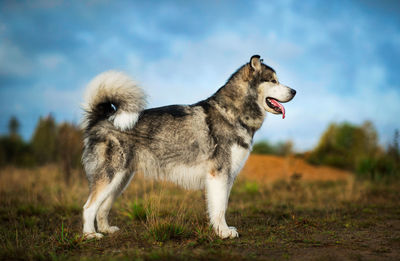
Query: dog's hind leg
[102, 190]
[217, 188]
[104, 210]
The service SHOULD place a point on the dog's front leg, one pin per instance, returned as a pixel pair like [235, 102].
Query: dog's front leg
[217, 192]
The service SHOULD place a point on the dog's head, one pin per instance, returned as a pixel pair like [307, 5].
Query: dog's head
[271, 93]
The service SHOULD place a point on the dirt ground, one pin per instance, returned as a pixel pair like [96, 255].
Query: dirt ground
[283, 208]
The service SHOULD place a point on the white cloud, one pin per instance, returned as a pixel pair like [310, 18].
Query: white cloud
[333, 62]
[195, 69]
[13, 60]
[51, 61]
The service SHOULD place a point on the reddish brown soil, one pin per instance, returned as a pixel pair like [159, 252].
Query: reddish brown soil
[270, 168]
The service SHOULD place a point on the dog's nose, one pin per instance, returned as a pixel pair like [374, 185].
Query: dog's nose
[293, 92]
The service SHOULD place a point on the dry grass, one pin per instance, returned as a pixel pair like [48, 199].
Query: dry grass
[40, 218]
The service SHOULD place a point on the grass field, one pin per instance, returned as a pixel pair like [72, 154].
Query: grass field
[305, 216]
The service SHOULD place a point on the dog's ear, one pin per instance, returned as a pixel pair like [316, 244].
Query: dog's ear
[255, 62]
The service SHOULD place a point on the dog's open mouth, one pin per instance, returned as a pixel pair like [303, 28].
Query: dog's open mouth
[276, 106]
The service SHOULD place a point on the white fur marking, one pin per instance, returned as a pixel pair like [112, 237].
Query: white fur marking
[90, 211]
[189, 177]
[125, 120]
[217, 198]
[239, 156]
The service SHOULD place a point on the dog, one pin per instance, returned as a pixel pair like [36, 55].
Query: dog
[203, 145]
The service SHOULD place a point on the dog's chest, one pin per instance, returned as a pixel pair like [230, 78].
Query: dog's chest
[239, 156]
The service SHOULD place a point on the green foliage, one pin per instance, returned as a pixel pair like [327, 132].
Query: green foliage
[251, 188]
[136, 211]
[163, 232]
[51, 143]
[262, 147]
[13, 126]
[69, 144]
[356, 148]
[384, 165]
[344, 145]
[68, 148]
[13, 150]
[280, 148]
[44, 140]
[70, 242]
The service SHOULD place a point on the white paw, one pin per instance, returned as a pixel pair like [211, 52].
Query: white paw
[109, 230]
[227, 232]
[93, 235]
[112, 230]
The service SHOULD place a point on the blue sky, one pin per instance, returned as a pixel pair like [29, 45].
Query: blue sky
[342, 57]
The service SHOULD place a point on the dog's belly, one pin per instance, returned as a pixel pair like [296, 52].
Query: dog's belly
[189, 177]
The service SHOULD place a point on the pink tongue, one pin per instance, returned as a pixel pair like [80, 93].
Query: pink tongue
[277, 104]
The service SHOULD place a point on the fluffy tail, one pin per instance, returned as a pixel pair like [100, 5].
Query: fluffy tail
[115, 97]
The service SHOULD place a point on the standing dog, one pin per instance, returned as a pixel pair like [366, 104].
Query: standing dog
[203, 145]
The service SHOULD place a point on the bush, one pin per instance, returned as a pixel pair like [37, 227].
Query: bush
[14, 151]
[385, 165]
[356, 148]
[344, 145]
[262, 147]
[44, 140]
[280, 148]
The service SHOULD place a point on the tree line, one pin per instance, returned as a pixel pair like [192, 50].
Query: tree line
[50, 143]
[342, 145]
[356, 148]
[347, 146]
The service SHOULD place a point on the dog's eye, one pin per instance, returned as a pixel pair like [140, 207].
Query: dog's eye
[274, 81]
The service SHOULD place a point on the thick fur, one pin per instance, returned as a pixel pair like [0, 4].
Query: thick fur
[203, 145]
[113, 95]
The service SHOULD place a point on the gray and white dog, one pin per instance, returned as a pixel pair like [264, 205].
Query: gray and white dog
[203, 145]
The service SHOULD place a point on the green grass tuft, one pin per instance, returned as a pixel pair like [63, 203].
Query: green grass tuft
[136, 211]
[164, 232]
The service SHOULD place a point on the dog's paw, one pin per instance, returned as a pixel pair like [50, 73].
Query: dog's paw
[110, 230]
[93, 235]
[227, 232]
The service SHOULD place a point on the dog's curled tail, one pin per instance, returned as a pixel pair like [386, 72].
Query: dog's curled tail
[113, 96]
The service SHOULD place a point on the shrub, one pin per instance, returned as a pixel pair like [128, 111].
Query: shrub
[13, 149]
[44, 140]
[356, 148]
[263, 147]
[280, 148]
[384, 165]
[345, 145]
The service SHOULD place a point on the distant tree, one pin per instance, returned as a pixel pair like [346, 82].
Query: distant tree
[263, 147]
[13, 149]
[280, 148]
[13, 126]
[284, 148]
[394, 148]
[69, 148]
[345, 145]
[44, 140]
[391, 160]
